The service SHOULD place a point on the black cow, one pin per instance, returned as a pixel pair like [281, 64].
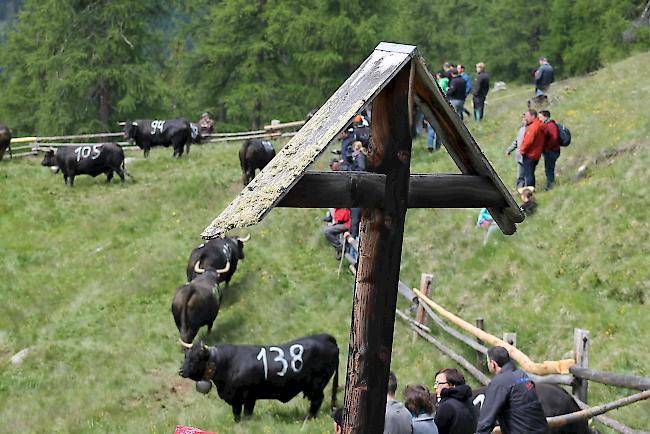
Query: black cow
[5, 141]
[196, 304]
[218, 253]
[149, 133]
[555, 401]
[245, 373]
[87, 160]
[254, 154]
[195, 134]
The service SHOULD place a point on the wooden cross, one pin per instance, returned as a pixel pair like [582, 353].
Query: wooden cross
[394, 78]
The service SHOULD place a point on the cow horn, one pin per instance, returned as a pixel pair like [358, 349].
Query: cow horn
[135, 124]
[198, 269]
[224, 270]
[185, 344]
[246, 238]
[205, 347]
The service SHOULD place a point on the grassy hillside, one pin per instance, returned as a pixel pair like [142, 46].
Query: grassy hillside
[87, 274]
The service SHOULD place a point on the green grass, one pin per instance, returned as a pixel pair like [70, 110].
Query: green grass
[87, 274]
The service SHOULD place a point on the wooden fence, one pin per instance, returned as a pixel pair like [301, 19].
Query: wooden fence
[32, 145]
[578, 375]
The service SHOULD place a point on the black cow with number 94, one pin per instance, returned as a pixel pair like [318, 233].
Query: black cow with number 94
[246, 373]
[90, 160]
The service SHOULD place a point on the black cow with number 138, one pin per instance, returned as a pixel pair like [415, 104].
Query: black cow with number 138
[245, 373]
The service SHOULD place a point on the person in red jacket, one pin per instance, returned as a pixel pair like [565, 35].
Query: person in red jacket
[340, 223]
[532, 145]
[551, 147]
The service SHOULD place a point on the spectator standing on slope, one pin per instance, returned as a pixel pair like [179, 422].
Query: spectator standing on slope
[456, 92]
[544, 76]
[514, 147]
[551, 150]
[532, 145]
[481, 89]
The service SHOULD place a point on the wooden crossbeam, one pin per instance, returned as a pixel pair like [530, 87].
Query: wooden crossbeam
[366, 190]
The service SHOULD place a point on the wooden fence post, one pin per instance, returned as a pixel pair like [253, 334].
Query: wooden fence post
[510, 338]
[581, 340]
[425, 287]
[481, 361]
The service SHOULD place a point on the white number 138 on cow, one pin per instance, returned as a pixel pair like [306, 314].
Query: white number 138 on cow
[295, 351]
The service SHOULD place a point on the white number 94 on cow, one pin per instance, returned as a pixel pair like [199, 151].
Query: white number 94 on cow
[245, 373]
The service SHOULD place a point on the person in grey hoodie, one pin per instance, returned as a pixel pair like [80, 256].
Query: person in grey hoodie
[418, 401]
[398, 418]
[514, 146]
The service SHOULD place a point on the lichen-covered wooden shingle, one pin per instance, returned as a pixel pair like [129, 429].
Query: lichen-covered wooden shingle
[277, 178]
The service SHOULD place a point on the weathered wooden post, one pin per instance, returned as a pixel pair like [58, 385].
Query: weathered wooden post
[394, 78]
[426, 280]
[481, 360]
[380, 251]
[581, 340]
[510, 338]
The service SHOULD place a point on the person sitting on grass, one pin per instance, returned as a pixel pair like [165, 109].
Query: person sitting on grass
[528, 202]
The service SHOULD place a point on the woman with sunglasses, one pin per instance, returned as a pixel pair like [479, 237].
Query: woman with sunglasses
[455, 413]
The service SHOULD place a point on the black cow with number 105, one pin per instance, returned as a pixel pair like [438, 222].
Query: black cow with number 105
[90, 160]
[245, 373]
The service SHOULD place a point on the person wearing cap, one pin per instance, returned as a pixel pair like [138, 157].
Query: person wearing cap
[544, 76]
[456, 92]
[481, 89]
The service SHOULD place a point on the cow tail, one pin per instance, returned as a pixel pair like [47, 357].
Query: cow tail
[335, 384]
[124, 167]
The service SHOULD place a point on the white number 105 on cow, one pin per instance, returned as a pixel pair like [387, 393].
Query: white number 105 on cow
[88, 151]
[295, 351]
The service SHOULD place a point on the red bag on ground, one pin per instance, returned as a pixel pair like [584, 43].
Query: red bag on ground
[189, 430]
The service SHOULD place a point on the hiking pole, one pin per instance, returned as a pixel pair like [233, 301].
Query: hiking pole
[338, 273]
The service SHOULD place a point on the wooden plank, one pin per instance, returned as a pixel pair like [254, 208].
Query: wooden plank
[565, 419]
[581, 341]
[72, 137]
[363, 189]
[252, 136]
[266, 190]
[611, 378]
[292, 124]
[609, 422]
[375, 295]
[481, 361]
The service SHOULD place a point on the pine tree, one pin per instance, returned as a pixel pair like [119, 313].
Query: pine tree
[79, 65]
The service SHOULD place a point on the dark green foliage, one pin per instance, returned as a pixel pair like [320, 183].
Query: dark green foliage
[73, 65]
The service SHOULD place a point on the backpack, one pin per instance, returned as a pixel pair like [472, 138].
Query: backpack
[564, 134]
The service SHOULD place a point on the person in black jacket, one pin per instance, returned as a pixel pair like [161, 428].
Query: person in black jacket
[510, 398]
[455, 414]
[456, 91]
[481, 89]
